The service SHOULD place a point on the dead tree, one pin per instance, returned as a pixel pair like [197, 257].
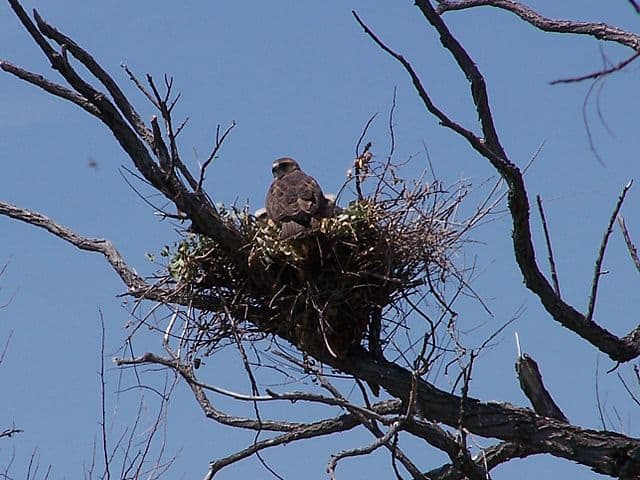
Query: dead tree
[363, 274]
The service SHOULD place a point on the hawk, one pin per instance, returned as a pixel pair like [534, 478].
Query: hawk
[295, 200]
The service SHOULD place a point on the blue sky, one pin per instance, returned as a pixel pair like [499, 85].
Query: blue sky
[301, 79]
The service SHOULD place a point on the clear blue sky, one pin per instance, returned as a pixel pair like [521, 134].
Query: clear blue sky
[301, 79]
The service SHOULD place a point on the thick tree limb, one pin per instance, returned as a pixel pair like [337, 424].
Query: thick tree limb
[535, 433]
[88, 61]
[601, 31]
[605, 452]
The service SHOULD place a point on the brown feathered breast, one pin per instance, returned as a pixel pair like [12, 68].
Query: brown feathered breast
[293, 201]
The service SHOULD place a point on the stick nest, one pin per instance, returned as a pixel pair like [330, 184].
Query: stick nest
[326, 291]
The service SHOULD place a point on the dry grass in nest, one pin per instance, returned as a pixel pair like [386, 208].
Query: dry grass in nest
[325, 291]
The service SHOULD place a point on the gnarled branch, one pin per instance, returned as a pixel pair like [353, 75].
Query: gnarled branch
[618, 349]
[601, 31]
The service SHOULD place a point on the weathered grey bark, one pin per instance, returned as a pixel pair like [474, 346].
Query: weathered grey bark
[533, 387]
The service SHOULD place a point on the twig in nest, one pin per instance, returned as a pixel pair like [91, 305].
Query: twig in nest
[361, 168]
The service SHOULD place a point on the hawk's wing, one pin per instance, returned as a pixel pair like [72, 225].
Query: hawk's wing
[293, 201]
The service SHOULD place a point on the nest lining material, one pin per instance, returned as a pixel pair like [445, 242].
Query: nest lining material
[322, 291]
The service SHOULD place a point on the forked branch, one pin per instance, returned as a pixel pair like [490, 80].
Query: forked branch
[489, 146]
[123, 121]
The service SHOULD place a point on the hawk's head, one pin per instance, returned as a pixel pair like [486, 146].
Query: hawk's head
[284, 165]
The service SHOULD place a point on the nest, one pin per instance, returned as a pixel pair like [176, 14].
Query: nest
[327, 291]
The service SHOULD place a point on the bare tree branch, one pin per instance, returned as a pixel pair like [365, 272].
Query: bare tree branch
[426, 99]
[207, 407]
[540, 434]
[600, 73]
[547, 237]
[490, 457]
[630, 245]
[597, 271]
[165, 109]
[618, 349]
[457, 452]
[103, 404]
[137, 287]
[105, 247]
[369, 423]
[307, 431]
[601, 31]
[493, 419]
[88, 61]
[51, 87]
[216, 148]
[386, 438]
[294, 431]
[200, 210]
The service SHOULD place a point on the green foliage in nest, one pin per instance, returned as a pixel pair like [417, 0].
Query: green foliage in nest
[188, 257]
[267, 247]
